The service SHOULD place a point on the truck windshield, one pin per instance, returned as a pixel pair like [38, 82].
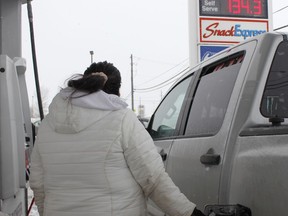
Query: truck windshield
[275, 97]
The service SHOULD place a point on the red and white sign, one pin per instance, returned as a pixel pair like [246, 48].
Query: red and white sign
[221, 30]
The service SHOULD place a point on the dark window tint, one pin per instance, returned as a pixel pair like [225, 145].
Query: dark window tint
[212, 96]
[166, 116]
[275, 98]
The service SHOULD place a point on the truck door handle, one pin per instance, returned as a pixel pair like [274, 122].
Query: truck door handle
[210, 158]
[162, 153]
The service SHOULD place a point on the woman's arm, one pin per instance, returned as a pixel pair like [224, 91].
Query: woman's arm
[148, 169]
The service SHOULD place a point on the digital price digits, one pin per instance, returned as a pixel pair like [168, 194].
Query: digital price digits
[248, 7]
[234, 8]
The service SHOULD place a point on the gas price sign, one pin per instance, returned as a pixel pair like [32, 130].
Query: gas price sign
[234, 8]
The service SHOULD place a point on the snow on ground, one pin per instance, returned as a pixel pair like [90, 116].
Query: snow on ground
[34, 211]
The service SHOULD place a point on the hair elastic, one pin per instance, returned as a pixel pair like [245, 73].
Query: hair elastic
[102, 75]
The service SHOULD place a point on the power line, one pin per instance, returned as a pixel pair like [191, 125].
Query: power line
[155, 61]
[280, 28]
[145, 91]
[163, 72]
[151, 87]
[163, 83]
[277, 12]
[280, 9]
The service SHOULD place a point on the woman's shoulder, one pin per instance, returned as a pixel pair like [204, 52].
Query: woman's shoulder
[128, 113]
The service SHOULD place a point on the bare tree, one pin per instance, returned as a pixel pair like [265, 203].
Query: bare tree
[34, 109]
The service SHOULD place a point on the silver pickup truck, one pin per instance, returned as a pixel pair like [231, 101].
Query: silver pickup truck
[222, 128]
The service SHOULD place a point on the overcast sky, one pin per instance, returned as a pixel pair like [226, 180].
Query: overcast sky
[155, 32]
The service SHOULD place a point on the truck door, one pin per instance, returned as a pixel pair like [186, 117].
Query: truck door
[195, 158]
[163, 126]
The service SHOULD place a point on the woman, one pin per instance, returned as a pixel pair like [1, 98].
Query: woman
[92, 155]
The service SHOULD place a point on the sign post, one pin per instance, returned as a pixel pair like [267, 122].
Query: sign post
[217, 24]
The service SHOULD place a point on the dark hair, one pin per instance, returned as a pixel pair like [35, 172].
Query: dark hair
[90, 83]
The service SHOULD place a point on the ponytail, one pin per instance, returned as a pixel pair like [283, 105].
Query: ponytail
[89, 83]
[99, 76]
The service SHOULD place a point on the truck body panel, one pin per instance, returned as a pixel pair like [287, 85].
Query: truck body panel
[230, 139]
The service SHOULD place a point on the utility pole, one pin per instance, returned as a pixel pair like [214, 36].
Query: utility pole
[132, 87]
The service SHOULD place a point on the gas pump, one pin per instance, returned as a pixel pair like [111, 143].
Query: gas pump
[13, 138]
[15, 122]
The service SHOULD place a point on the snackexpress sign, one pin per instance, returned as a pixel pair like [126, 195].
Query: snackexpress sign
[216, 30]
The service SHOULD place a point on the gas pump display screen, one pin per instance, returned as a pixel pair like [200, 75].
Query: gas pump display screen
[234, 8]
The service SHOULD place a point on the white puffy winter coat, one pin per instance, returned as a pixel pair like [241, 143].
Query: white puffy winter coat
[91, 160]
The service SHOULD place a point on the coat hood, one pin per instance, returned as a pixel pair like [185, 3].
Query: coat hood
[72, 115]
[98, 100]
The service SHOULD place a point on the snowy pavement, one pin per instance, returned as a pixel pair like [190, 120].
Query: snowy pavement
[33, 211]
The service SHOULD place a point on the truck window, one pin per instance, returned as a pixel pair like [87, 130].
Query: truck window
[275, 98]
[166, 116]
[212, 96]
